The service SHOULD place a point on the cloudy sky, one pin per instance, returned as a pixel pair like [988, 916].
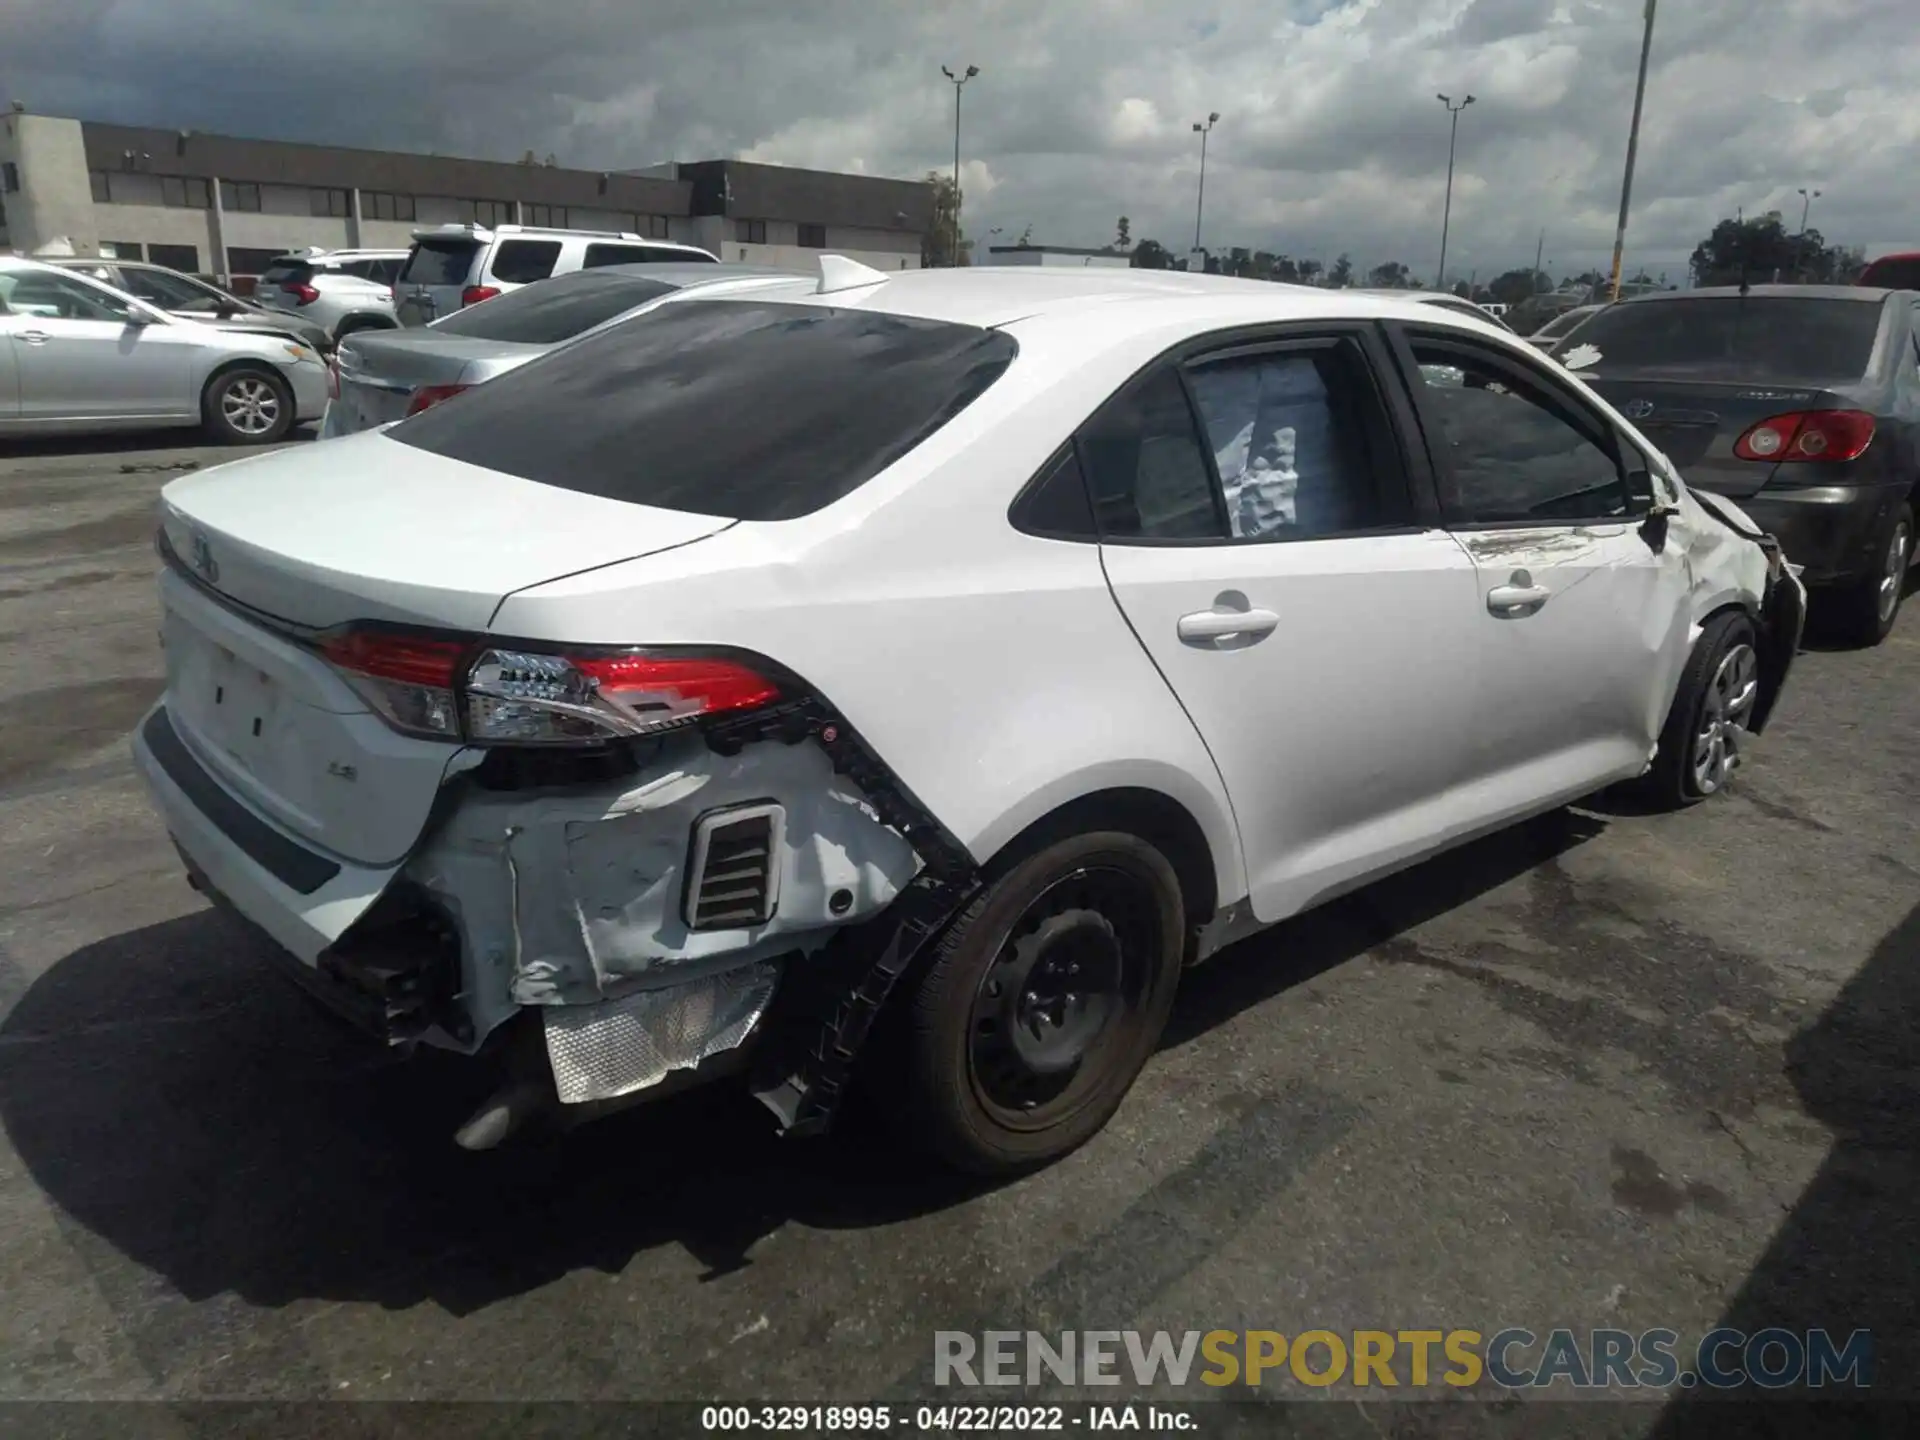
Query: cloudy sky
[1330, 136]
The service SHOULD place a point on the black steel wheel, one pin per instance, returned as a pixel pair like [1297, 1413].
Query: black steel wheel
[1042, 1003]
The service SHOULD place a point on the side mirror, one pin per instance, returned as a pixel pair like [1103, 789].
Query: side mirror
[225, 310]
[1641, 495]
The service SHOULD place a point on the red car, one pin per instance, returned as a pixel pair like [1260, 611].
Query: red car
[1893, 272]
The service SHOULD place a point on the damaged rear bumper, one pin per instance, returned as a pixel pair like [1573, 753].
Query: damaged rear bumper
[752, 891]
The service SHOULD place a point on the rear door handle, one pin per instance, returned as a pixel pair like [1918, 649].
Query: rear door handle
[1512, 602]
[1224, 624]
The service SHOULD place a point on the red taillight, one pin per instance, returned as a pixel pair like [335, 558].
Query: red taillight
[303, 294]
[410, 659]
[474, 294]
[453, 688]
[1807, 435]
[710, 687]
[428, 396]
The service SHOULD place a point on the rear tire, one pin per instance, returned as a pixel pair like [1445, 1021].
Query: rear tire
[1705, 737]
[247, 405]
[1042, 1003]
[1868, 608]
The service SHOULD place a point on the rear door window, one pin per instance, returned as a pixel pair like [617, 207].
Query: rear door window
[286, 271]
[558, 310]
[439, 262]
[741, 409]
[521, 262]
[1768, 338]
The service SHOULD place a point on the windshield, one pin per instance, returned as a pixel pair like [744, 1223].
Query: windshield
[287, 270]
[746, 410]
[556, 310]
[1762, 338]
[439, 262]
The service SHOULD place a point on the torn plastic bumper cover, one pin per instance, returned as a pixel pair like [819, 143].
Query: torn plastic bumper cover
[764, 882]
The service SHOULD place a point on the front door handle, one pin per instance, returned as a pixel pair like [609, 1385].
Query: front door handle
[1513, 602]
[35, 337]
[1225, 624]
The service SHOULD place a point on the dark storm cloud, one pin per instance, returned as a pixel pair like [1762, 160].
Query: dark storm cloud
[1330, 138]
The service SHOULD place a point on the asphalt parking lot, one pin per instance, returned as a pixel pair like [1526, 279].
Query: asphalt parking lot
[1605, 1069]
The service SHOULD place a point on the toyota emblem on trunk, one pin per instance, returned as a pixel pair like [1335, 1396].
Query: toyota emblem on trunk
[1638, 409]
[200, 556]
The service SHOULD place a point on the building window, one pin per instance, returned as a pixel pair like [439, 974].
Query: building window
[382, 205]
[814, 237]
[121, 250]
[186, 192]
[239, 195]
[242, 260]
[184, 258]
[553, 217]
[753, 232]
[484, 212]
[335, 203]
[652, 227]
[102, 186]
[9, 177]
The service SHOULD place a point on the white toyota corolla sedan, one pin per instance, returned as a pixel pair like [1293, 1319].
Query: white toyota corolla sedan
[955, 654]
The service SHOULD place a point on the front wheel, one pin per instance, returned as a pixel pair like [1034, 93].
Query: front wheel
[247, 405]
[1707, 734]
[1042, 1003]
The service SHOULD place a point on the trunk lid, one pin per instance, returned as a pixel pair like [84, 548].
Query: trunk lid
[380, 369]
[365, 528]
[1696, 422]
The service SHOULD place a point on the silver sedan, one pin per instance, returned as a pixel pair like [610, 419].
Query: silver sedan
[386, 375]
[78, 355]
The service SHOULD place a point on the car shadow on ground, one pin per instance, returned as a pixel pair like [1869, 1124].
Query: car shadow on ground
[125, 442]
[1847, 1254]
[205, 1120]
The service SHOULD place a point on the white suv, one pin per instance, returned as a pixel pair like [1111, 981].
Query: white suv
[453, 266]
[344, 290]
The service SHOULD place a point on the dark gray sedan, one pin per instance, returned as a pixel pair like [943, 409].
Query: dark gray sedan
[386, 375]
[1801, 402]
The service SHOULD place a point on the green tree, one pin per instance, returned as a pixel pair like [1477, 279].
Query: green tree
[1761, 251]
[1152, 255]
[1341, 275]
[1310, 272]
[936, 246]
[1123, 236]
[1515, 287]
[1392, 275]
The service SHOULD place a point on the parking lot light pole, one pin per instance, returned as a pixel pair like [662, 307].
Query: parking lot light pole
[1200, 201]
[1446, 213]
[958, 80]
[1806, 208]
[1633, 149]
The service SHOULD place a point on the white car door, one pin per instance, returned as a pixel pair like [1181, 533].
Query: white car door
[85, 353]
[1317, 629]
[1584, 620]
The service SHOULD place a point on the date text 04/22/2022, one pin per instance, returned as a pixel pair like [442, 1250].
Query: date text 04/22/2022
[936, 1419]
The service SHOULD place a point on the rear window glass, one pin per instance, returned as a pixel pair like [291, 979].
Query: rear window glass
[739, 409]
[1758, 338]
[439, 262]
[558, 310]
[521, 262]
[1901, 273]
[287, 272]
